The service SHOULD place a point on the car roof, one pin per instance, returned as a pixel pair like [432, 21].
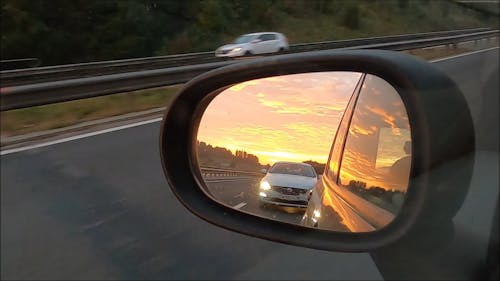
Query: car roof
[289, 162]
[260, 33]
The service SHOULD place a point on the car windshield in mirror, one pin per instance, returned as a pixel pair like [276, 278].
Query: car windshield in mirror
[292, 169]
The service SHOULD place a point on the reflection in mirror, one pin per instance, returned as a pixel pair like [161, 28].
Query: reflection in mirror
[263, 146]
[373, 172]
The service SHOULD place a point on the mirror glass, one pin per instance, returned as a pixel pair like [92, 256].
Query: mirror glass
[329, 150]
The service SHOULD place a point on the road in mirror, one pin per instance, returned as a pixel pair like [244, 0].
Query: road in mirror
[307, 149]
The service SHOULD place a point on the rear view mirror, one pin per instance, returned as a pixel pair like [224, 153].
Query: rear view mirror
[289, 124]
[353, 146]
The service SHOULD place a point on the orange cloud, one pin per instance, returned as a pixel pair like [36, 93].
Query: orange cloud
[272, 104]
[291, 117]
[386, 117]
[241, 86]
[355, 129]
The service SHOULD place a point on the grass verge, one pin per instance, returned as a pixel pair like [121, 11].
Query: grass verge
[52, 116]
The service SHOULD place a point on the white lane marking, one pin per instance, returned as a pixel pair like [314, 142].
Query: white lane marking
[104, 220]
[14, 150]
[464, 54]
[242, 204]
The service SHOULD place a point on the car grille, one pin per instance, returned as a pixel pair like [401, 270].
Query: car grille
[297, 202]
[223, 52]
[288, 190]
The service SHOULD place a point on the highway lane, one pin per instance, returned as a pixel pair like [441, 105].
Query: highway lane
[100, 208]
[243, 193]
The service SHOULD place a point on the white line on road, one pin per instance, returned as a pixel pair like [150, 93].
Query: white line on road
[104, 220]
[242, 204]
[464, 54]
[14, 150]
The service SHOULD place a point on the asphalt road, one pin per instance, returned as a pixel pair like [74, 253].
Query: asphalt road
[242, 193]
[100, 208]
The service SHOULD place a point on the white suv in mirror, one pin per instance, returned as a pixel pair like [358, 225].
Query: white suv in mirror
[254, 43]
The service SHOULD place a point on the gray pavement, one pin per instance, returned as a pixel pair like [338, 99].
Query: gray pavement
[243, 194]
[100, 208]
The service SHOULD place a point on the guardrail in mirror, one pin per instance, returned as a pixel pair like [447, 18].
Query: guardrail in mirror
[329, 150]
[217, 172]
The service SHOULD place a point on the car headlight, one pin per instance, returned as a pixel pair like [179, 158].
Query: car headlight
[317, 214]
[236, 49]
[265, 185]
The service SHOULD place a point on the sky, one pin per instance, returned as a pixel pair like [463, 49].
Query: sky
[282, 118]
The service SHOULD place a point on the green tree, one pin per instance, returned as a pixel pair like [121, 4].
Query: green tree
[319, 168]
[351, 17]
[64, 31]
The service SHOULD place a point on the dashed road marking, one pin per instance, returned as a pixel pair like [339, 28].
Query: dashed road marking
[464, 54]
[239, 195]
[242, 204]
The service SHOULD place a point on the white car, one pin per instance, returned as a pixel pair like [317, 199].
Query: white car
[287, 184]
[253, 44]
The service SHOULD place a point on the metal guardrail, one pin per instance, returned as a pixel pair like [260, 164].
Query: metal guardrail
[208, 172]
[18, 63]
[58, 91]
[70, 71]
[66, 90]
[81, 70]
[305, 47]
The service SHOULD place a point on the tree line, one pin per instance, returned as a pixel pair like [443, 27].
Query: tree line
[220, 157]
[63, 31]
[387, 199]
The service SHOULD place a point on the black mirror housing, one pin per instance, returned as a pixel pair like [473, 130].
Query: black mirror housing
[442, 133]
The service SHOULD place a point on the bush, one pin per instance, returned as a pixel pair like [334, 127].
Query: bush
[351, 17]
